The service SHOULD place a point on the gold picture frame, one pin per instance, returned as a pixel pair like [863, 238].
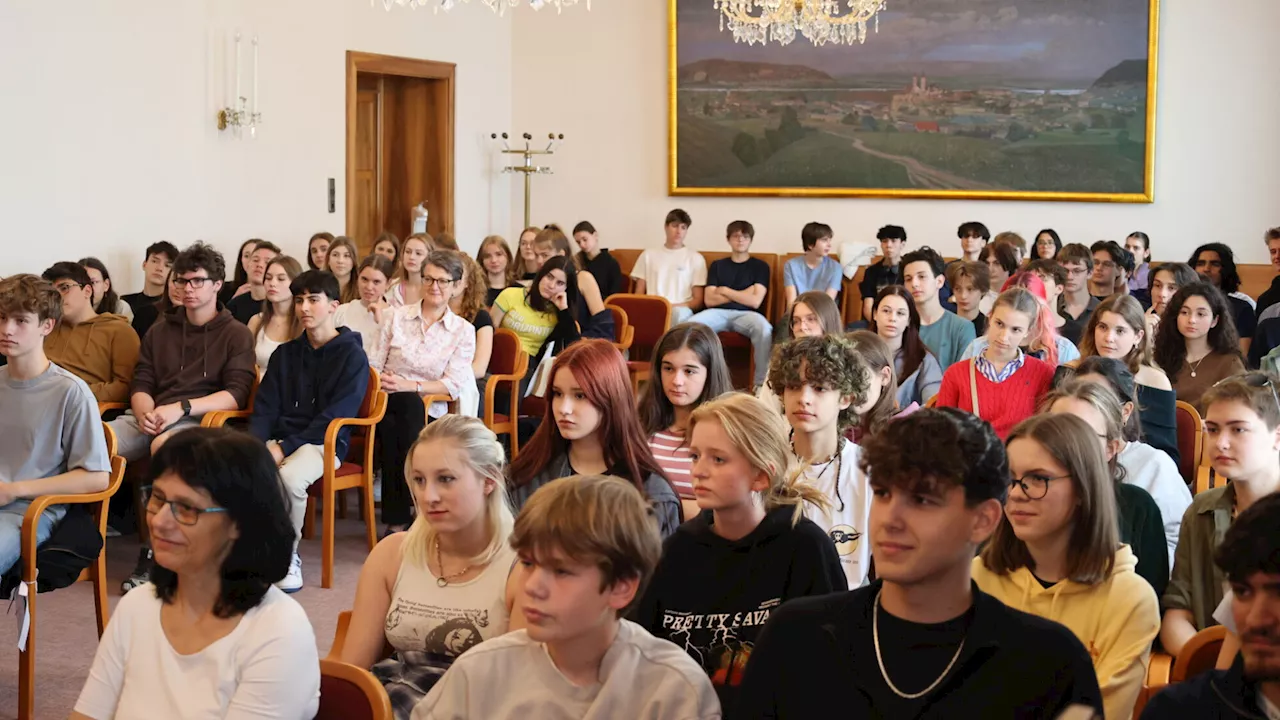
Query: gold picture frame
[712, 139]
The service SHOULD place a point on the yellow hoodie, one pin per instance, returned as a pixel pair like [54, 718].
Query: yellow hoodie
[102, 351]
[1116, 620]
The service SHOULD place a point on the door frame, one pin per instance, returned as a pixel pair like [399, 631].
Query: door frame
[358, 62]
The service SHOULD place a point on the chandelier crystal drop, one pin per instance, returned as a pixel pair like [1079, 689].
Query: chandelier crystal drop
[498, 6]
[819, 21]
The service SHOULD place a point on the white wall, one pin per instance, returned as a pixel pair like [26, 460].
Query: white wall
[107, 137]
[601, 78]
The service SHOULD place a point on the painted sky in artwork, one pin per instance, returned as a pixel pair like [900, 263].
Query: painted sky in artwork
[1046, 39]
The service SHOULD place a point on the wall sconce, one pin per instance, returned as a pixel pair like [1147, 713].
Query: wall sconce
[242, 111]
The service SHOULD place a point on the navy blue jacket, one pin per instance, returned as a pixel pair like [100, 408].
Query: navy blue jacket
[306, 387]
[1212, 695]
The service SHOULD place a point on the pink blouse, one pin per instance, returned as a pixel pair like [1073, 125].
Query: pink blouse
[442, 351]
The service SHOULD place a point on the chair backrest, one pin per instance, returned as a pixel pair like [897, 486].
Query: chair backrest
[1199, 654]
[370, 393]
[112, 443]
[650, 315]
[508, 356]
[351, 693]
[626, 258]
[1190, 435]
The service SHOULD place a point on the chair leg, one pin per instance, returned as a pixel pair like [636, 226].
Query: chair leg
[27, 667]
[366, 500]
[98, 576]
[342, 506]
[309, 521]
[326, 552]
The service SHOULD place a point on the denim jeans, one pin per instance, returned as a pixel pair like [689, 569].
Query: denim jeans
[748, 322]
[11, 529]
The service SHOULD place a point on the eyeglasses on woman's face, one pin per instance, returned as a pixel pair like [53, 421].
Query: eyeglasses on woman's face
[1034, 485]
[184, 513]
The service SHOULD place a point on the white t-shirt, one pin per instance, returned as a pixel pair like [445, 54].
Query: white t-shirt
[672, 274]
[1154, 471]
[267, 667]
[847, 520]
[358, 318]
[641, 676]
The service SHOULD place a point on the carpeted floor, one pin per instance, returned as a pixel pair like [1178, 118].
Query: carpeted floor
[67, 636]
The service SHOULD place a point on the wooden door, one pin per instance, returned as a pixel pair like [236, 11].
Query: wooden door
[366, 206]
[399, 144]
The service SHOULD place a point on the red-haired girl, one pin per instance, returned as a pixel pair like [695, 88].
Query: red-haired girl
[591, 428]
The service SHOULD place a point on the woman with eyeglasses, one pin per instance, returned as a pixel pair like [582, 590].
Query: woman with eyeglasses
[210, 635]
[813, 314]
[105, 299]
[423, 349]
[1197, 344]
[1056, 554]
[1142, 522]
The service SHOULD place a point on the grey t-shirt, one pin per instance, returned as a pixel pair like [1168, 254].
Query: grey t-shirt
[49, 425]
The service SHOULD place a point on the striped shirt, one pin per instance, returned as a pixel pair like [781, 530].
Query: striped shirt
[672, 453]
[988, 369]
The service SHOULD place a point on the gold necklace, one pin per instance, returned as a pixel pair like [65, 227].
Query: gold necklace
[444, 579]
[1196, 365]
[875, 635]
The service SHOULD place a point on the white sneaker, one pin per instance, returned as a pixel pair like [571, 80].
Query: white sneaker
[292, 582]
[377, 486]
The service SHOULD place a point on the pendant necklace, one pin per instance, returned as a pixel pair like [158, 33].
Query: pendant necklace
[444, 579]
[1196, 365]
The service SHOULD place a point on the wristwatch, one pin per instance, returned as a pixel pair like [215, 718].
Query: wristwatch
[186, 408]
[418, 386]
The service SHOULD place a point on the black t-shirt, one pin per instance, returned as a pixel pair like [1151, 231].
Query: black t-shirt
[1073, 328]
[144, 311]
[608, 274]
[243, 307]
[491, 295]
[1242, 313]
[915, 655]
[738, 276]
[980, 325]
[878, 276]
[482, 320]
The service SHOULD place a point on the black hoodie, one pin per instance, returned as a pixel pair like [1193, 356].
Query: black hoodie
[306, 387]
[711, 596]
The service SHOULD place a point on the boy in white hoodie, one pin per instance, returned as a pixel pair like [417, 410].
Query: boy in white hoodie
[1057, 554]
[587, 546]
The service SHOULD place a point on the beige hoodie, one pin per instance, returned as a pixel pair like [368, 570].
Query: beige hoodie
[1117, 620]
[101, 351]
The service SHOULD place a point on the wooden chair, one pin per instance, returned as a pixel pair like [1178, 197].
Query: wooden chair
[450, 402]
[1199, 654]
[1206, 479]
[351, 693]
[218, 418]
[95, 573]
[507, 364]
[623, 333]
[347, 476]
[931, 402]
[650, 316]
[106, 407]
[626, 258]
[1190, 433]
[340, 638]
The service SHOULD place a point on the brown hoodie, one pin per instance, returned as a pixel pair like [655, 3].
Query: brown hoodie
[180, 361]
[101, 351]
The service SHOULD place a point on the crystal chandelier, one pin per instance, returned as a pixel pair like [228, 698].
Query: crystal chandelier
[498, 6]
[820, 21]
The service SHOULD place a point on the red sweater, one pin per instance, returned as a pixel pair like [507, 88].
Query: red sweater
[1003, 405]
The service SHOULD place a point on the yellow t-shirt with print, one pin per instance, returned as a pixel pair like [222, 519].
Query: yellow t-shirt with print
[531, 326]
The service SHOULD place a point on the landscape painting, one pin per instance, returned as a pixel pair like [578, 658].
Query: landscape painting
[1008, 99]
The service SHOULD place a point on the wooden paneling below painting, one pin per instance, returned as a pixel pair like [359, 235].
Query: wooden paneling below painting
[399, 145]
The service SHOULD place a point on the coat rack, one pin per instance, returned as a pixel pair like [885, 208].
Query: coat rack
[528, 168]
